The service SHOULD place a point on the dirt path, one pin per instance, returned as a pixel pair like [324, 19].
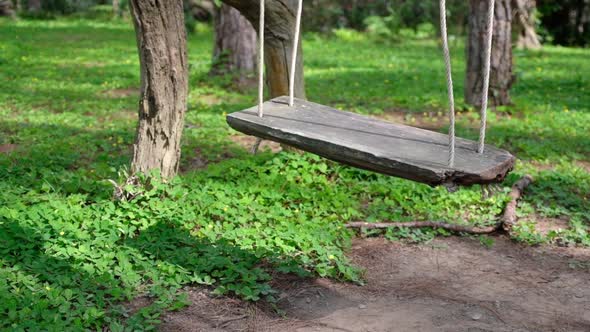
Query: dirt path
[451, 284]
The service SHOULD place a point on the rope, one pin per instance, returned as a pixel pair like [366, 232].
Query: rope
[447, 56]
[486, 77]
[256, 145]
[294, 56]
[261, 61]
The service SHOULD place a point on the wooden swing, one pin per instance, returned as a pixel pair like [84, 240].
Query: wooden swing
[360, 141]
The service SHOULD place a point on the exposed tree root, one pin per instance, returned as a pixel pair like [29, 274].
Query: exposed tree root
[506, 222]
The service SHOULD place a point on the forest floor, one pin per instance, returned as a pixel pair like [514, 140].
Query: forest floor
[449, 284]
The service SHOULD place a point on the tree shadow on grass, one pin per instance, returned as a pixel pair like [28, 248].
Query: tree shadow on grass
[51, 282]
[215, 262]
[45, 292]
[59, 158]
[76, 160]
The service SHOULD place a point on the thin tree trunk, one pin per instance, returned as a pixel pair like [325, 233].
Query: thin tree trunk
[235, 48]
[280, 31]
[161, 40]
[116, 8]
[524, 11]
[501, 76]
[582, 23]
[34, 6]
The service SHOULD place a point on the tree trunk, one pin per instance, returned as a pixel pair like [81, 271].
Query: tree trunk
[279, 34]
[116, 8]
[161, 40]
[524, 11]
[235, 44]
[34, 6]
[501, 77]
[201, 10]
[7, 8]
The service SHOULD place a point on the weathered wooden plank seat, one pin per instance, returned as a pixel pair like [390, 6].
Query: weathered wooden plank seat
[360, 141]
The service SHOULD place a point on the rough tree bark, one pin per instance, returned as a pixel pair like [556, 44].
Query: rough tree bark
[279, 34]
[524, 24]
[161, 40]
[501, 76]
[235, 48]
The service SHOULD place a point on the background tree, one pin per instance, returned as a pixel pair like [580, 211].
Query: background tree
[200, 10]
[116, 8]
[566, 21]
[34, 6]
[161, 41]
[235, 48]
[7, 8]
[524, 24]
[280, 31]
[501, 76]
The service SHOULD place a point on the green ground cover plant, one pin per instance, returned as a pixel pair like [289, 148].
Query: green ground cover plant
[71, 257]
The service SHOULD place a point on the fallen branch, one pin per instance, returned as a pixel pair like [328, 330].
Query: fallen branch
[506, 223]
[509, 216]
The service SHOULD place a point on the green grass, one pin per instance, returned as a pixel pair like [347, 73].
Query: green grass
[71, 258]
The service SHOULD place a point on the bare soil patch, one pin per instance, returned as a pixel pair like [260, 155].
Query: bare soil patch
[198, 161]
[450, 284]
[426, 120]
[248, 141]
[121, 93]
[584, 165]
[7, 148]
[213, 99]
[431, 120]
[94, 64]
[210, 99]
[545, 225]
[124, 115]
